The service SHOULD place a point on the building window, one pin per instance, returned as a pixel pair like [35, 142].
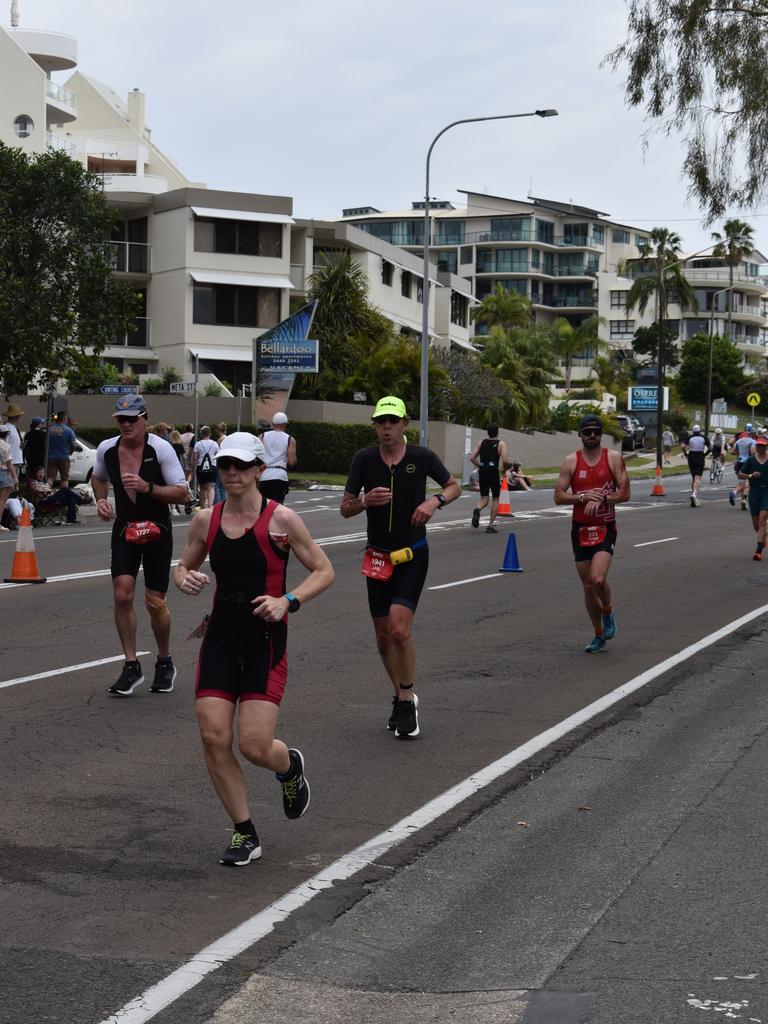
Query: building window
[548, 264]
[386, 273]
[466, 254]
[598, 233]
[535, 253]
[510, 229]
[405, 284]
[545, 231]
[243, 237]
[22, 126]
[622, 328]
[514, 284]
[448, 262]
[620, 237]
[511, 259]
[228, 305]
[641, 241]
[450, 232]
[419, 289]
[458, 309]
[575, 234]
[396, 232]
[618, 300]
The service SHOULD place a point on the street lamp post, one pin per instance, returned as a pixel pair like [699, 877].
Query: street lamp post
[424, 389]
[722, 291]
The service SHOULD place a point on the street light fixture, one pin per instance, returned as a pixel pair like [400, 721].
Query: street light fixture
[722, 291]
[424, 391]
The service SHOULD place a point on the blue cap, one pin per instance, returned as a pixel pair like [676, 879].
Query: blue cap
[36, 421]
[130, 405]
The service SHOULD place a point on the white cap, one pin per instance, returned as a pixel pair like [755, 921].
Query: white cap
[241, 445]
[696, 429]
[718, 430]
[279, 418]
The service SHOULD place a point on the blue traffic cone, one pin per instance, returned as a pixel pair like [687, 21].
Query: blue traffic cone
[511, 561]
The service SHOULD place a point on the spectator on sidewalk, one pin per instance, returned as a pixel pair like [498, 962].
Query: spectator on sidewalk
[667, 444]
[44, 496]
[517, 480]
[8, 475]
[205, 470]
[13, 414]
[219, 433]
[34, 445]
[61, 444]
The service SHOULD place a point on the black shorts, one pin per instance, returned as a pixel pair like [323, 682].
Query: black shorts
[206, 476]
[275, 490]
[404, 587]
[737, 467]
[489, 481]
[586, 554]
[156, 557]
[242, 658]
[696, 463]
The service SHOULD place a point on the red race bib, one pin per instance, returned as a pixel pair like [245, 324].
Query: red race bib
[142, 532]
[377, 565]
[589, 536]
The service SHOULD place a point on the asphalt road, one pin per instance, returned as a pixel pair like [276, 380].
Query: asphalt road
[111, 833]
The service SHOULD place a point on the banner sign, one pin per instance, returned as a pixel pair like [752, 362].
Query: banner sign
[288, 356]
[286, 348]
[646, 399]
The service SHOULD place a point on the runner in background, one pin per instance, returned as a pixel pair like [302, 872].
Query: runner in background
[743, 447]
[490, 457]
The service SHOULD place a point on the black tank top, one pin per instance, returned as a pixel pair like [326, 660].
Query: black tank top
[489, 453]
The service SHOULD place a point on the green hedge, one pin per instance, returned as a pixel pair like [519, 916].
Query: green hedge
[320, 447]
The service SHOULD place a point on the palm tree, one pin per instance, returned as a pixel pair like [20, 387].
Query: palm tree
[657, 272]
[733, 245]
[503, 308]
[568, 341]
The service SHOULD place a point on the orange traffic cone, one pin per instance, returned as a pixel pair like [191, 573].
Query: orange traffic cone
[504, 507]
[658, 488]
[24, 568]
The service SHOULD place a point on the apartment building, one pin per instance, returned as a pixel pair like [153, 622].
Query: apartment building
[710, 279]
[395, 279]
[552, 252]
[211, 268]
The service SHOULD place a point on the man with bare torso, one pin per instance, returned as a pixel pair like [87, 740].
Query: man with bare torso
[147, 478]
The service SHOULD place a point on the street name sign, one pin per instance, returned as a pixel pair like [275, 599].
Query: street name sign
[119, 389]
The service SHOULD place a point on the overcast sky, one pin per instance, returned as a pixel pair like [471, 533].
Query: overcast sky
[335, 103]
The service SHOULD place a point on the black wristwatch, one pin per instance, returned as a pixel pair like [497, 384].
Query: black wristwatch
[440, 500]
[150, 487]
[293, 603]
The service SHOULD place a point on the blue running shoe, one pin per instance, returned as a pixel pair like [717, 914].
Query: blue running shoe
[609, 626]
[595, 645]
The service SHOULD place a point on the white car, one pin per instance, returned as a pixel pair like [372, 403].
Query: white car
[81, 461]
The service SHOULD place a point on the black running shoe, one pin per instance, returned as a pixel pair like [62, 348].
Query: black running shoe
[392, 723]
[130, 679]
[241, 851]
[407, 719]
[295, 787]
[476, 518]
[165, 674]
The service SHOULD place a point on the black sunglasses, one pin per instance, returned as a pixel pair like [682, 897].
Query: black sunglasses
[226, 462]
[387, 419]
[127, 419]
[592, 432]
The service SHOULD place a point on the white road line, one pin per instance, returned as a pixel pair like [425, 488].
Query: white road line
[472, 579]
[63, 671]
[664, 540]
[154, 999]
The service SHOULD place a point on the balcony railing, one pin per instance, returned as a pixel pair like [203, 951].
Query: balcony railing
[132, 257]
[559, 301]
[63, 97]
[54, 142]
[140, 338]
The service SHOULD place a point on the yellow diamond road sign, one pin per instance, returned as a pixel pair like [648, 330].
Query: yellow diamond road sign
[753, 398]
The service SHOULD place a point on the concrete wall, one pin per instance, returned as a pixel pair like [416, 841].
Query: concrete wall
[449, 440]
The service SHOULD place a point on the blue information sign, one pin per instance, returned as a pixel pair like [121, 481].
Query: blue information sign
[646, 398]
[119, 389]
[280, 356]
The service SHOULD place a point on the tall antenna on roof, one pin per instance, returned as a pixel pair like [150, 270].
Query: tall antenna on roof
[14, 13]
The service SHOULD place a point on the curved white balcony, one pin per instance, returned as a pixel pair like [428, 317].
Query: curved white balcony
[132, 189]
[721, 277]
[60, 104]
[54, 142]
[52, 51]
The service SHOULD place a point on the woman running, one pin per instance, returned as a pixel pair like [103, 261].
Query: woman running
[243, 656]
